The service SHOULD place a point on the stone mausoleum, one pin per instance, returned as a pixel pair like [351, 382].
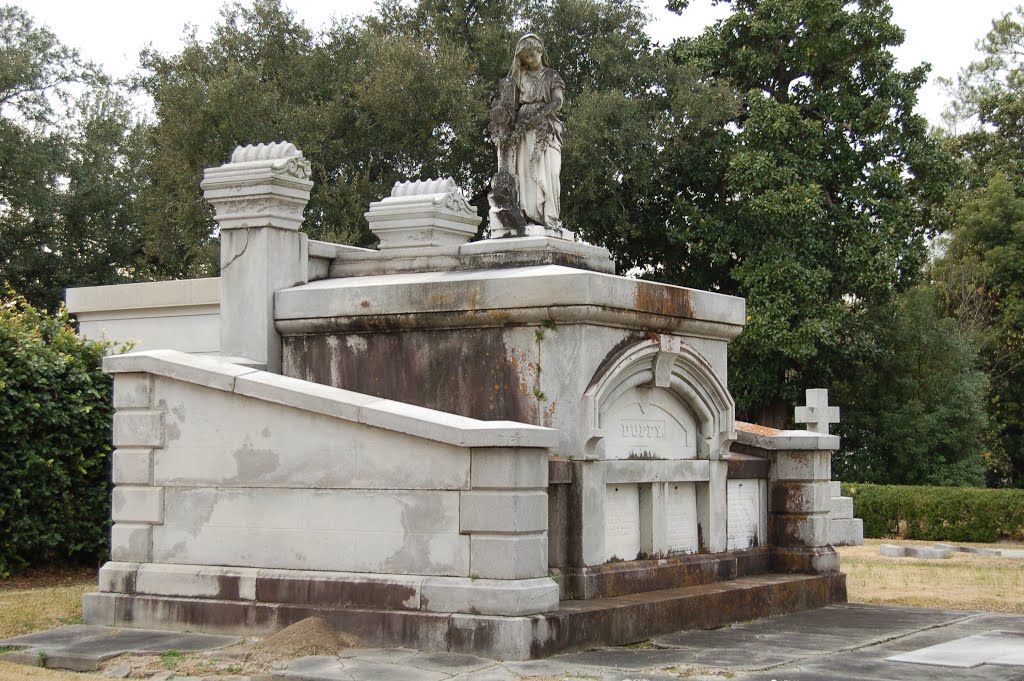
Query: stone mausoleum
[497, 447]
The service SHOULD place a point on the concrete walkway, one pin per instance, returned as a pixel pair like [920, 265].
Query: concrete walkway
[850, 642]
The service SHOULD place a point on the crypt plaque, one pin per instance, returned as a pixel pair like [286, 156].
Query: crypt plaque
[649, 423]
[681, 517]
[744, 509]
[622, 522]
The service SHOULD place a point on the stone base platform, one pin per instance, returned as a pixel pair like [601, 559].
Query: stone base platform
[575, 625]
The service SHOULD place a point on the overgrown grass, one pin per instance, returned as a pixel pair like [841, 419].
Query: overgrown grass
[963, 582]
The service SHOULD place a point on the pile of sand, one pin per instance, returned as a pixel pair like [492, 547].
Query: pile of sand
[311, 636]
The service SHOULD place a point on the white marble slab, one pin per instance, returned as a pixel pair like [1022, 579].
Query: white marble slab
[622, 521]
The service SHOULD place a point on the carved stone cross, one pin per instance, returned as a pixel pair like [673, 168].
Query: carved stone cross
[818, 415]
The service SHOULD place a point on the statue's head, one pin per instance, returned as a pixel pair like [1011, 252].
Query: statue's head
[529, 54]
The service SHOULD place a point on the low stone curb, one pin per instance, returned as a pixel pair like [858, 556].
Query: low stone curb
[940, 551]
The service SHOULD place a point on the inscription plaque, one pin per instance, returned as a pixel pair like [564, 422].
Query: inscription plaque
[681, 517]
[744, 509]
[649, 423]
[622, 522]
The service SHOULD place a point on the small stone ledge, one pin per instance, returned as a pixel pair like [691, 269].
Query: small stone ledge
[151, 295]
[486, 254]
[504, 297]
[772, 439]
[404, 418]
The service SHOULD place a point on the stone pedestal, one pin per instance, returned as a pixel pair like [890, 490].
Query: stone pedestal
[258, 198]
[800, 497]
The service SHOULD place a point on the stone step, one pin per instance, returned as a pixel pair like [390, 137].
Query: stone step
[575, 625]
[842, 508]
[627, 619]
[847, 532]
[636, 576]
[835, 488]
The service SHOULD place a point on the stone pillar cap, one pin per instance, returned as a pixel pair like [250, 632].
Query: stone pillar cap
[423, 213]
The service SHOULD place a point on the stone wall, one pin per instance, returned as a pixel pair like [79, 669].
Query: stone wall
[181, 315]
[221, 467]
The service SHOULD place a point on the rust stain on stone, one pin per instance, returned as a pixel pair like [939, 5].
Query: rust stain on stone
[672, 301]
[469, 372]
[756, 429]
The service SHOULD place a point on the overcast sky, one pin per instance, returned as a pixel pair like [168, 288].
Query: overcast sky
[112, 32]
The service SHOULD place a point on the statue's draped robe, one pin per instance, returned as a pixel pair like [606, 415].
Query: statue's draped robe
[539, 150]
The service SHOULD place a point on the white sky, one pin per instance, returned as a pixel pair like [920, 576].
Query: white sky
[112, 32]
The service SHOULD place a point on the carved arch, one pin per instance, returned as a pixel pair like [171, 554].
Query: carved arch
[668, 363]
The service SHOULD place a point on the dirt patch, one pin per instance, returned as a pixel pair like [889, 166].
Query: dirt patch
[311, 636]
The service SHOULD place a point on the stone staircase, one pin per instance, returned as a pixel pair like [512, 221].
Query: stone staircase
[845, 529]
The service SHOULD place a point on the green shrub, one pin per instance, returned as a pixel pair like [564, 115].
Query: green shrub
[55, 414]
[970, 514]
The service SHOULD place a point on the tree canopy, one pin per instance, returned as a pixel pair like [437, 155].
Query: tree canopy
[981, 271]
[67, 182]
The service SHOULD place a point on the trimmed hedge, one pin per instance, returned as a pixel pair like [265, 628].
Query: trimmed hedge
[969, 514]
[55, 415]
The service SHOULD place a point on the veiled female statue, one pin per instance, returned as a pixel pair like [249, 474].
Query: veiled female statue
[526, 128]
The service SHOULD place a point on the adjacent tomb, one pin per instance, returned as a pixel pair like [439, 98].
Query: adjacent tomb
[496, 447]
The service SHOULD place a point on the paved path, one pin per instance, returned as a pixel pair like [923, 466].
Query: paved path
[849, 642]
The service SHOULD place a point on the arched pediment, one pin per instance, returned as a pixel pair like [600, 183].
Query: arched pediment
[658, 398]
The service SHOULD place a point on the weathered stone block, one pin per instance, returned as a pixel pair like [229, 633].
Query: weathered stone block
[99, 609]
[139, 429]
[490, 596]
[846, 531]
[292, 447]
[505, 638]
[819, 560]
[132, 466]
[927, 552]
[800, 497]
[509, 467]
[508, 512]
[314, 549]
[339, 589]
[197, 581]
[131, 543]
[495, 556]
[356, 511]
[137, 504]
[810, 465]
[118, 577]
[801, 529]
[133, 391]
[842, 508]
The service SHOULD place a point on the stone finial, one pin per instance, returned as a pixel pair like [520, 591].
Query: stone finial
[264, 185]
[817, 414]
[423, 213]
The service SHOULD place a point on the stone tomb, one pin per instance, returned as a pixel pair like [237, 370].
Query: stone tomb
[496, 447]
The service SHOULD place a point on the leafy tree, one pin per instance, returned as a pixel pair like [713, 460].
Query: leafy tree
[66, 168]
[982, 277]
[981, 272]
[914, 410]
[987, 110]
[812, 200]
